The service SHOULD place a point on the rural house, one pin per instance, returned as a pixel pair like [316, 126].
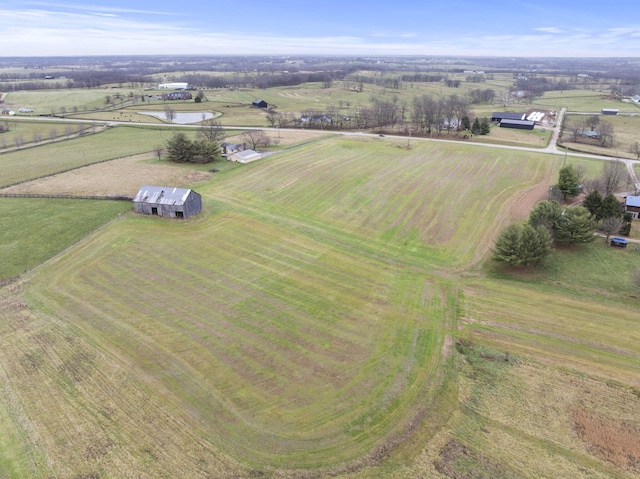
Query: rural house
[177, 95]
[632, 205]
[231, 148]
[259, 103]
[167, 201]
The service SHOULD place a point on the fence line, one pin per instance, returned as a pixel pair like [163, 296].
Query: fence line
[71, 169]
[72, 197]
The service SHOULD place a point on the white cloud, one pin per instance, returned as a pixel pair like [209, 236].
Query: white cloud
[549, 30]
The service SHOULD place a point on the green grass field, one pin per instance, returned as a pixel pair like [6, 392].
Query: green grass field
[49, 158]
[332, 312]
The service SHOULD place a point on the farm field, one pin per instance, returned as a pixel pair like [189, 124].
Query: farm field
[332, 312]
[625, 134]
[33, 230]
[24, 132]
[59, 156]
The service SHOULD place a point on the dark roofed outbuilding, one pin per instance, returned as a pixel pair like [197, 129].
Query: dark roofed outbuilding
[518, 124]
[498, 116]
[259, 103]
[167, 201]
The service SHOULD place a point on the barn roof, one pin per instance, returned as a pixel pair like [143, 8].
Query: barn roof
[508, 115]
[166, 195]
[247, 155]
[633, 201]
[506, 121]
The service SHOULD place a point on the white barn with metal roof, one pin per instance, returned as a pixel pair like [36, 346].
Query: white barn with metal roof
[167, 201]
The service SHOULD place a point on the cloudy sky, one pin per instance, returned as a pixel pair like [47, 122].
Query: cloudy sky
[344, 27]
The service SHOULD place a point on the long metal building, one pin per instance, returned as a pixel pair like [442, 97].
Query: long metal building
[167, 201]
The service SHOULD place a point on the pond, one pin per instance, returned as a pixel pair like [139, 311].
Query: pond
[183, 118]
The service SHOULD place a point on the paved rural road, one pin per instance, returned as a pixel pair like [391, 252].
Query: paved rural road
[550, 149]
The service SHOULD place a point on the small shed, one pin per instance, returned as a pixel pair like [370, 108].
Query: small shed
[618, 242]
[245, 156]
[610, 111]
[167, 201]
[632, 205]
[519, 124]
[258, 103]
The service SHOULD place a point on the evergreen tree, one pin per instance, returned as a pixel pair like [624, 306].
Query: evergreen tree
[507, 248]
[593, 202]
[547, 214]
[568, 181]
[611, 207]
[466, 123]
[180, 148]
[535, 245]
[205, 151]
[475, 129]
[576, 226]
[485, 127]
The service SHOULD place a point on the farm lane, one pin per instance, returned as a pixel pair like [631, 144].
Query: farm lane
[551, 149]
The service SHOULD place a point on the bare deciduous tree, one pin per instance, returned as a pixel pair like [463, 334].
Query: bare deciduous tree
[273, 118]
[589, 186]
[611, 226]
[581, 173]
[53, 134]
[169, 114]
[634, 149]
[613, 172]
[159, 150]
[211, 130]
[37, 137]
[256, 139]
[605, 129]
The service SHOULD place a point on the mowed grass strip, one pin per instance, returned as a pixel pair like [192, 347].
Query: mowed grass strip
[52, 158]
[288, 351]
[579, 333]
[436, 199]
[33, 230]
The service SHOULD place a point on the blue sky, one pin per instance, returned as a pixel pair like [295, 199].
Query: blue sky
[320, 27]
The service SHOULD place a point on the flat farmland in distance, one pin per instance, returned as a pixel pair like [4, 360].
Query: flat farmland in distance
[435, 197]
[59, 156]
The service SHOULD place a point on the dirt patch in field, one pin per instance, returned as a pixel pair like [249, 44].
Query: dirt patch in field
[615, 442]
[458, 462]
[118, 177]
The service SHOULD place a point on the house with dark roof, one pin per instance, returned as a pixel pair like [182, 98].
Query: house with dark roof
[177, 95]
[258, 103]
[167, 201]
[632, 205]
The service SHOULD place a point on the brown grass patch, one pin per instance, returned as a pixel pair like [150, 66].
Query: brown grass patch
[616, 442]
[118, 177]
[458, 462]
